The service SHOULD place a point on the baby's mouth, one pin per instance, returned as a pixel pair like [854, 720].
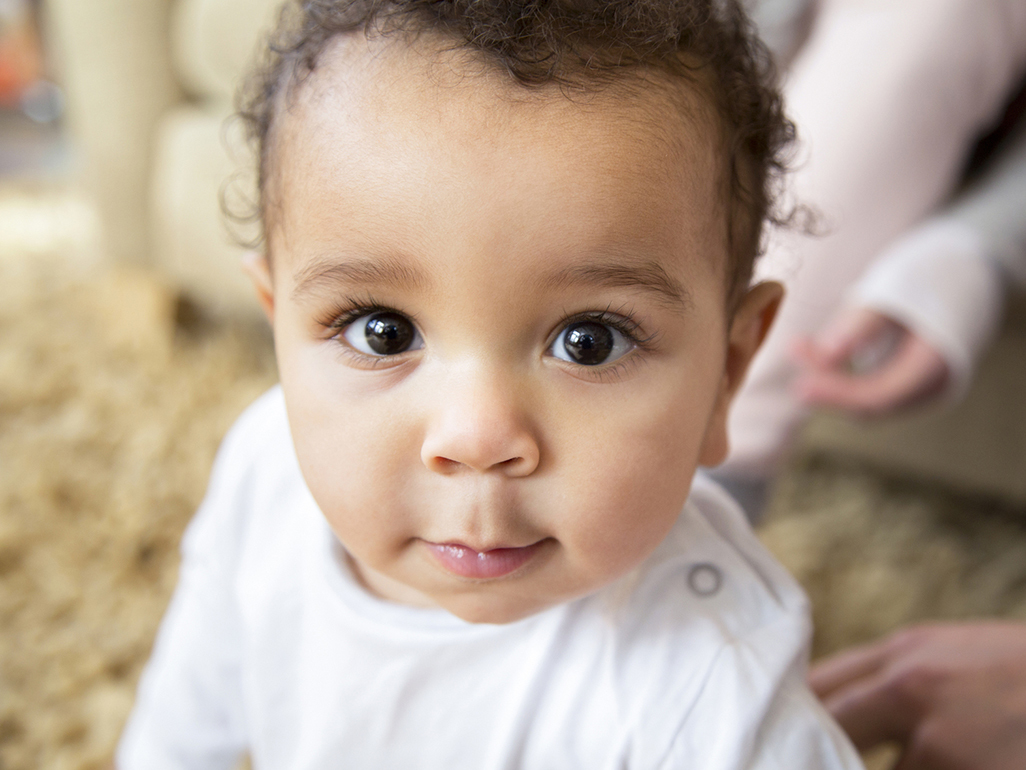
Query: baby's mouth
[464, 561]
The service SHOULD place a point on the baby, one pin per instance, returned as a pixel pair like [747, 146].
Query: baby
[507, 264]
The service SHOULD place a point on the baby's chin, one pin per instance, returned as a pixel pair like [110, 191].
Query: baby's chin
[495, 610]
[508, 601]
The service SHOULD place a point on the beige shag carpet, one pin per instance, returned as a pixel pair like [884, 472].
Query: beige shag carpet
[876, 552]
[113, 398]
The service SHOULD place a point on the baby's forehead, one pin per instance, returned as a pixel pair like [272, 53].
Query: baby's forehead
[392, 82]
[376, 107]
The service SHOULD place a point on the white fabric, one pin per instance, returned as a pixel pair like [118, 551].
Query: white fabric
[887, 96]
[939, 282]
[695, 660]
[945, 279]
[994, 206]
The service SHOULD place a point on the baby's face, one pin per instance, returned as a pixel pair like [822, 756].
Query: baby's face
[500, 325]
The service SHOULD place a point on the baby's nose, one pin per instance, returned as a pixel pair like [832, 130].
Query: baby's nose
[480, 427]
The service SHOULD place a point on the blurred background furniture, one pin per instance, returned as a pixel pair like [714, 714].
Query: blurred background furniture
[149, 86]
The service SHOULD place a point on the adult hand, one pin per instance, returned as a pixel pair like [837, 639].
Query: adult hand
[866, 362]
[954, 695]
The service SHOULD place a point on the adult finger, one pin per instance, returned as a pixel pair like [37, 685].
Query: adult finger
[874, 709]
[830, 674]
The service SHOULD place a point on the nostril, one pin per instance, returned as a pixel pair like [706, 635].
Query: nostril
[445, 465]
[519, 466]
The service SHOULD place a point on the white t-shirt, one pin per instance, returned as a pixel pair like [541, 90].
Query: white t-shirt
[697, 659]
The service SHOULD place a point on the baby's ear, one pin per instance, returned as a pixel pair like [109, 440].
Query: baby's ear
[259, 271]
[751, 324]
[748, 329]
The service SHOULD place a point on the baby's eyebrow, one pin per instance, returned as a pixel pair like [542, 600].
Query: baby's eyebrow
[330, 274]
[650, 276]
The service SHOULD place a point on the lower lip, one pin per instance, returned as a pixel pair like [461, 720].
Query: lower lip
[468, 563]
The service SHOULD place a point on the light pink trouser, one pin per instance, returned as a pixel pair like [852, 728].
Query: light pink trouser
[888, 95]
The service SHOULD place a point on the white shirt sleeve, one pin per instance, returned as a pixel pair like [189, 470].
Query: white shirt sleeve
[945, 279]
[939, 283]
[754, 710]
[994, 205]
[774, 723]
[188, 711]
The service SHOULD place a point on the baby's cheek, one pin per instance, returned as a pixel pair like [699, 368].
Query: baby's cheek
[624, 513]
[633, 491]
[352, 460]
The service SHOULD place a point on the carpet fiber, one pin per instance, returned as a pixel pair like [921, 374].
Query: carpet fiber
[113, 398]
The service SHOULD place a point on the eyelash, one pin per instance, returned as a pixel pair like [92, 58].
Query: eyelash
[621, 319]
[349, 310]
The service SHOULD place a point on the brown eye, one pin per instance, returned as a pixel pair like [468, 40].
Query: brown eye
[382, 334]
[590, 343]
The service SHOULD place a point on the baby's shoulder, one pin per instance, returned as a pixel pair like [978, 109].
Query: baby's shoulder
[255, 476]
[259, 435]
[710, 600]
[709, 636]
[257, 452]
[712, 570]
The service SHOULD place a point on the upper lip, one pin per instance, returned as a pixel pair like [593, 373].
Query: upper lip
[484, 549]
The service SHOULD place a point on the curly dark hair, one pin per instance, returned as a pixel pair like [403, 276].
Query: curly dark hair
[575, 44]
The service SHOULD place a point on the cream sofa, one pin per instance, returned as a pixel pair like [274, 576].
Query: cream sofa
[150, 87]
